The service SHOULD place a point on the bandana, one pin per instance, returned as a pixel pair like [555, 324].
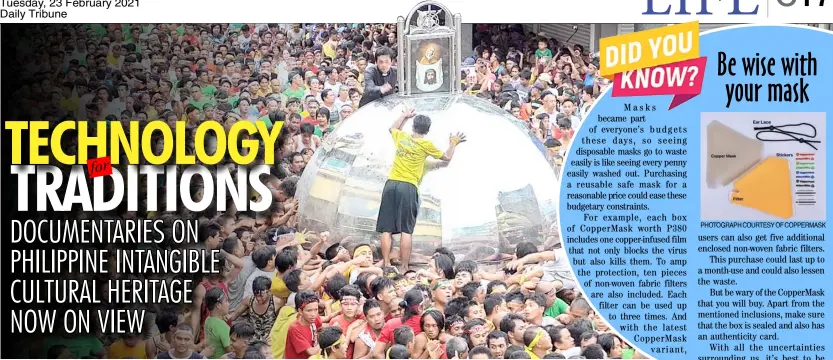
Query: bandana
[479, 328]
[534, 343]
[440, 283]
[456, 323]
[349, 302]
[359, 249]
[391, 275]
[302, 305]
[324, 353]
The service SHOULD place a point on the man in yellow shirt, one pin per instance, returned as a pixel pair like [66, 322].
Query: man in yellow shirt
[130, 346]
[400, 197]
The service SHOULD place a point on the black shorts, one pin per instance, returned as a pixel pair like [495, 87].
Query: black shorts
[399, 207]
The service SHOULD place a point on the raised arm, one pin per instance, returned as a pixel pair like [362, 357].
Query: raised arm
[406, 114]
[453, 141]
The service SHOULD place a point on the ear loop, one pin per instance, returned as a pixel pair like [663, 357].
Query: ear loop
[793, 136]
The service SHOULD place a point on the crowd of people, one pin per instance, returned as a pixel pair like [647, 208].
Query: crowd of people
[287, 293]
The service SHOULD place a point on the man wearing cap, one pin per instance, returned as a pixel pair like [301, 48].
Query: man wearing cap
[554, 154]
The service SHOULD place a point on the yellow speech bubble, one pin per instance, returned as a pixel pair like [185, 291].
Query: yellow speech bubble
[643, 49]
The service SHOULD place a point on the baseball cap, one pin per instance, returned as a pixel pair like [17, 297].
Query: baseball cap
[552, 144]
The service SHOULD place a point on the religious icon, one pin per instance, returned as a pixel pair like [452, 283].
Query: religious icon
[430, 50]
[430, 60]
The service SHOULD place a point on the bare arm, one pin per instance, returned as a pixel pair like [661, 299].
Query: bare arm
[327, 318]
[238, 263]
[499, 275]
[329, 272]
[539, 257]
[420, 348]
[453, 141]
[199, 296]
[375, 270]
[406, 114]
[361, 350]
[313, 252]
[284, 219]
[379, 349]
[354, 330]
[241, 309]
[449, 153]
[313, 350]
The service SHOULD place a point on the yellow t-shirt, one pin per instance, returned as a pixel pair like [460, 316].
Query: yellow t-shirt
[152, 114]
[118, 350]
[409, 163]
[71, 103]
[279, 287]
[277, 336]
[335, 306]
[329, 50]
[115, 61]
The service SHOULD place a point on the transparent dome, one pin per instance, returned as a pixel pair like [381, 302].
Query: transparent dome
[498, 189]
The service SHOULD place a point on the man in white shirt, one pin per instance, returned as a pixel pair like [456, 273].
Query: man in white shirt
[342, 94]
[328, 100]
[332, 79]
[295, 34]
[264, 258]
[116, 106]
[534, 306]
[568, 107]
[245, 37]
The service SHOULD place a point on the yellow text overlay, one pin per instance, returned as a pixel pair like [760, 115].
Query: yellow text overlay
[240, 143]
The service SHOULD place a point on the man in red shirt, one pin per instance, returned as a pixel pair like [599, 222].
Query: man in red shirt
[411, 316]
[350, 296]
[302, 335]
[375, 320]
